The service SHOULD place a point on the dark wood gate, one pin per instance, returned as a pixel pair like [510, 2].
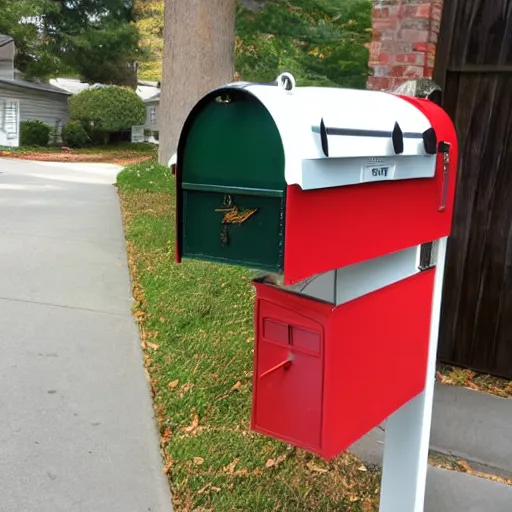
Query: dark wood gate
[474, 68]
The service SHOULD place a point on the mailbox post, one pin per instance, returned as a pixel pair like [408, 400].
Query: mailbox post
[349, 195]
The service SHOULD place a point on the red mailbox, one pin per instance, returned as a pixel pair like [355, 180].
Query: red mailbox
[325, 374]
[348, 194]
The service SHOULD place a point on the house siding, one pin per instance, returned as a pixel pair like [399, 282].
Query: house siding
[50, 108]
[7, 61]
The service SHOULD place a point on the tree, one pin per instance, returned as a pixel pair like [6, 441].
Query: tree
[96, 38]
[149, 16]
[21, 20]
[199, 41]
[322, 42]
[107, 109]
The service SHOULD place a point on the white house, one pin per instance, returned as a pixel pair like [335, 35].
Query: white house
[26, 101]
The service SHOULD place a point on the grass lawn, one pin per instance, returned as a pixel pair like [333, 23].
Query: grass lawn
[122, 153]
[197, 335]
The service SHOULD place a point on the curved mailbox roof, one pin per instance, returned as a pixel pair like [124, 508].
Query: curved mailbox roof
[332, 136]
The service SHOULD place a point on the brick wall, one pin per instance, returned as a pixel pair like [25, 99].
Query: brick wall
[404, 41]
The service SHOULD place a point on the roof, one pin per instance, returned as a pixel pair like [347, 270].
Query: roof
[72, 85]
[153, 99]
[145, 92]
[5, 40]
[34, 85]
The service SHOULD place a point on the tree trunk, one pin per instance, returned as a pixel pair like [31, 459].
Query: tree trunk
[199, 41]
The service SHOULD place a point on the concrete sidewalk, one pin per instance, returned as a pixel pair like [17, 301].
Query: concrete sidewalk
[77, 432]
[471, 426]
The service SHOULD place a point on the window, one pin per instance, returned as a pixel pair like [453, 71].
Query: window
[2, 114]
[152, 115]
[11, 117]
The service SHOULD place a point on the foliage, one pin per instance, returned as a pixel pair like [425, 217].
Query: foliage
[321, 42]
[20, 20]
[74, 135]
[96, 39]
[108, 109]
[34, 133]
[197, 333]
[150, 24]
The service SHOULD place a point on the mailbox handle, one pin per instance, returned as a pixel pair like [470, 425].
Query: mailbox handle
[283, 364]
[444, 149]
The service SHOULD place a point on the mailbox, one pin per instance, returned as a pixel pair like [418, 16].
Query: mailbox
[329, 367]
[303, 180]
[349, 194]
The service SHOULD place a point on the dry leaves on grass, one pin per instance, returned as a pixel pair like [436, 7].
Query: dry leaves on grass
[316, 469]
[174, 384]
[198, 461]
[167, 467]
[207, 488]
[230, 468]
[472, 380]
[185, 388]
[192, 428]
[274, 463]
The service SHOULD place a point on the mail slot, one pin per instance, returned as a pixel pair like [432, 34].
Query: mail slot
[269, 177]
[325, 374]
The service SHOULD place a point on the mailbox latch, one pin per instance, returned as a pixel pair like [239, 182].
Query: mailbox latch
[444, 148]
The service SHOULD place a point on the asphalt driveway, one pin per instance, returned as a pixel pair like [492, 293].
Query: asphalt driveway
[77, 432]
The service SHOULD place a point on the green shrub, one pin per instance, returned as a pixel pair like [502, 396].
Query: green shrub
[74, 135]
[108, 109]
[34, 133]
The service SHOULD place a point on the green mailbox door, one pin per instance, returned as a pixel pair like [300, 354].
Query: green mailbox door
[231, 183]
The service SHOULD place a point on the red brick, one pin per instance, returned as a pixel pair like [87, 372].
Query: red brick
[429, 71]
[384, 58]
[414, 36]
[378, 83]
[384, 25]
[408, 58]
[380, 12]
[397, 71]
[437, 10]
[413, 72]
[424, 11]
[424, 47]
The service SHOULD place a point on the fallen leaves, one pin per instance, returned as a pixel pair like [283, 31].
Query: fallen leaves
[454, 376]
[186, 388]
[207, 488]
[274, 463]
[173, 384]
[167, 467]
[198, 461]
[191, 429]
[230, 468]
[316, 469]
[236, 387]
[166, 436]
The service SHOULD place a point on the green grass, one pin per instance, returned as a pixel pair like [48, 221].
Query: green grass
[196, 323]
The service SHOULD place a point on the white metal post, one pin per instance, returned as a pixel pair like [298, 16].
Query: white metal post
[408, 429]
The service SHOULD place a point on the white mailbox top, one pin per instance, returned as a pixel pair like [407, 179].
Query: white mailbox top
[334, 137]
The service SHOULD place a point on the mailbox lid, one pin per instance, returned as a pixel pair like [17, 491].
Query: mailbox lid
[288, 401]
[231, 186]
